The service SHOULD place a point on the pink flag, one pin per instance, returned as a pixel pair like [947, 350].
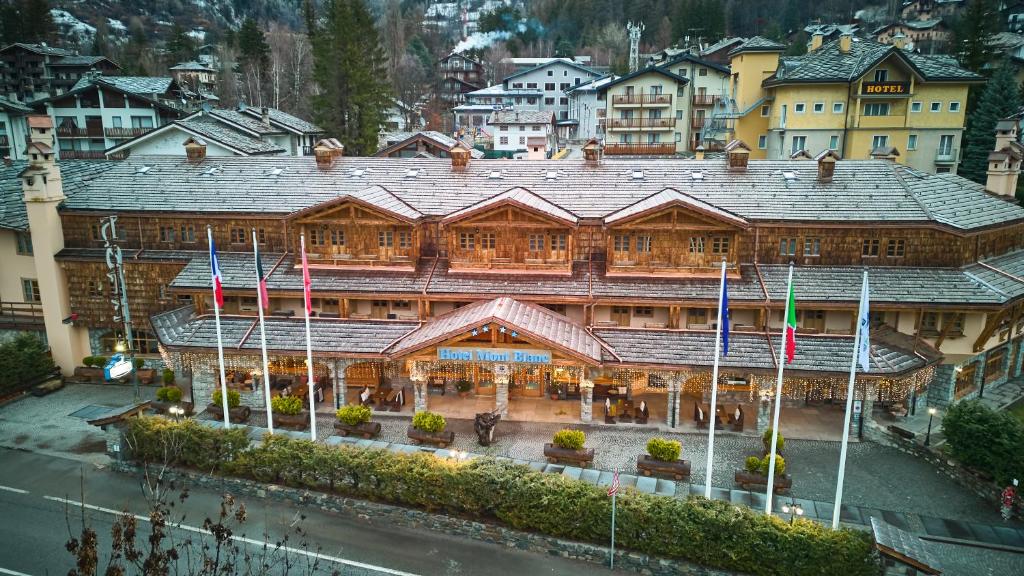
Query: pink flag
[306, 284]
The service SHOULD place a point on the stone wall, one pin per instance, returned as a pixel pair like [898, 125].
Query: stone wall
[450, 525]
[8, 335]
[941, 389]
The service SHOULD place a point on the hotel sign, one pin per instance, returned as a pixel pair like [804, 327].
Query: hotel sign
[885, 89]
[518, 355]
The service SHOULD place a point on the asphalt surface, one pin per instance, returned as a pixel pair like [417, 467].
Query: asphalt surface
[40, 509]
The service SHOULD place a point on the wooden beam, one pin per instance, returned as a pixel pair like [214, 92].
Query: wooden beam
[947, 325]
[992, 321]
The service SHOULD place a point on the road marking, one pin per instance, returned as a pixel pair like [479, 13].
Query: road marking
[335, 559]
[12, 572]
[16, 491]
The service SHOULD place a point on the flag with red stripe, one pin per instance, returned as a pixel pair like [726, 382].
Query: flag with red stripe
[306, 283]
[261, 288]
[615, 484]
[791, 327]
[218, 284]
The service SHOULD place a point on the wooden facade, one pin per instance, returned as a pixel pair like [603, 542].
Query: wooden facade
[672, 242]
[352, 234]
[89, 291]
[510, 238]
[176, 232]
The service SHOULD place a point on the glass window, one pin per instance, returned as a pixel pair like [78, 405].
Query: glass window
[766, 110]
[238, 236]
[30, 290]
[95, 288]
[879, 141]
[936, 107]
[762, 141]
[819, 107]
[24, 240]
[720, 245]
[833, 142]
[536, 242]
[167, 233]
[812, 246]
[549, 101]
[915, 106]
[643, 243]
[869, 249]
[881, 75]
[799, 143]
[643, 311]
[558, 241]
[503, 140]
[876, 109]
[385, 239]
[531, 85]
[895, 248]
[912, 142]
[837, 107]
[188, 233]
[620, 243]
[799, 107]
[316, 237]
[787, 247]
[337, 237]
[563, 86]
[142, 122]
[954, 106]
[404, 239]
[696, 244]
[467, 241]
[548, 86]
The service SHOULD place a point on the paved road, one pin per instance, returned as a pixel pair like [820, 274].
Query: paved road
[34, 527]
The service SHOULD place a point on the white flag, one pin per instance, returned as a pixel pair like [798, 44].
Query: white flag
[864, 327]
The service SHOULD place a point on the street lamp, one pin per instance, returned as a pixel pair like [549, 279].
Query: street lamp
[928, 436]
[176, 411]
[794, 507]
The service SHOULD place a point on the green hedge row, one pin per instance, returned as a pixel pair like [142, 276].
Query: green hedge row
[986, 440]
[710, 533]
[24, 361]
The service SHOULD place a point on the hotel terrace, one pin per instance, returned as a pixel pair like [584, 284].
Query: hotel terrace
[594, 279]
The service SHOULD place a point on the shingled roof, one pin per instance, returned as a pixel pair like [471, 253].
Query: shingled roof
[12, 203]
[216, 131]
[285, 120]
[757, 44]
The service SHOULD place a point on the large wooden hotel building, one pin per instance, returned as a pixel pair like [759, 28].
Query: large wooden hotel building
[594, 278]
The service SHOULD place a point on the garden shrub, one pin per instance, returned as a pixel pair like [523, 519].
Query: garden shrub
[139, 363]
[168, 376]
[100, 361]
[766, 438]
[286, 405]
[664, 450]
[569, 439]
[429, 422]
[87, 361]
[753, 465]
[170, 394]
[353, 414]
[234, 398]
[986, 440]
[780, 465]
[707, 532]
[23, 361]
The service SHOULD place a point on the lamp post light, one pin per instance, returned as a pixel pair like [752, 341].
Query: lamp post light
[792, 506]
[928, 436]
[177, 412]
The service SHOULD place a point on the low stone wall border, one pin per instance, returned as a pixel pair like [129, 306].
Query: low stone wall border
[451, 525]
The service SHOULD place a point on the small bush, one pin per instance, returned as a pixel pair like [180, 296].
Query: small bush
[463, 385]
[664, 450]
[100, 361]
[429, 422]
[985, 440]
[234, 398]
[353, 414]
[168, 376]
[170, 394]
[780, 465]
[87, 361]
[767, 439]
[753, 465]
[569, 439]
[23, 361]
[139, 363]
[286, 405]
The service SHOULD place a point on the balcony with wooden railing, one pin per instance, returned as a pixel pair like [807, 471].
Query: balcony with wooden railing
[125, 132]
[705, 99]
[642, 100]
[639, 149]
[82, 155]
[76, 132]
[641, 123]
[697, 122]
[21, 315]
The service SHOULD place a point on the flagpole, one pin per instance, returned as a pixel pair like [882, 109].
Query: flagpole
[862, 312]
[714, 387]
[778, 397]
[216, 319]
[263, 333]
[309, 344]
[615, 492]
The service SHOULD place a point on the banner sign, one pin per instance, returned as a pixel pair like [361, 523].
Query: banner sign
[117, 367]
[518, 355]
[885, 89]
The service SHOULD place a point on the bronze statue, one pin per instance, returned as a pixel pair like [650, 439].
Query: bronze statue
[484, 424]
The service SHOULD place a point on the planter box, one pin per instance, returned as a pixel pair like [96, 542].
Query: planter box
[366, 429]
[90, 374]
[648, 466]
[163, 407]
[298, 421]
[748, 480]
[554, 454]
[48, 387]
[442, 439]
[238, 415]
[146, 375]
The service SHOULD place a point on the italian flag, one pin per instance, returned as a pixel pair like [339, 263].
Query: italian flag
[791, 326]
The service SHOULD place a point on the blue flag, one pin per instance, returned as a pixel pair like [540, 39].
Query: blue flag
[725, 318]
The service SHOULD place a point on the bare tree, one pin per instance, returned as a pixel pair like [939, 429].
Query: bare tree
[412, 86]
[290, 71]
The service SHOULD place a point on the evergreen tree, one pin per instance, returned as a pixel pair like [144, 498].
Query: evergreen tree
[37, 23]
[350, 70]
[973, 34]
[180, 46]
[252, 45]
[136, 52]
[1000, 99]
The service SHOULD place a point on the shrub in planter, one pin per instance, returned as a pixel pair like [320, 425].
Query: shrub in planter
[168, 377]
[139, 363]
[354, 414]
[766, 439]
[664, 450]
[569, 439]
[234, 398]
[285, 405]
[171, 394]
[100, 361]
[780, 466]
[429, 422]
[753, 465]
[87, 361]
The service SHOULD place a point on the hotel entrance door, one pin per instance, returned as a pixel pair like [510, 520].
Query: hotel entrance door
[528, 381]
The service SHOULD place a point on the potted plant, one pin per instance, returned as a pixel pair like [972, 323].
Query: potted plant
[430, 427]
[567, 446]
[766, 441]
[463, 386]
[755, 474]
[288, 412]
[168, 377]
[145, 375]
[355, 419]
[663, 458]
[237, 412]
[91, 369]
[554, 390]
[167, 396]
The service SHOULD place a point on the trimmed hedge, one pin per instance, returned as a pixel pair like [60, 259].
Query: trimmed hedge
[711, 533]
[234, 398]
[664, 450]
[353, 414]
[429, 422]
[168, 394]
[988, 441]
[286, 405]
[569, 439]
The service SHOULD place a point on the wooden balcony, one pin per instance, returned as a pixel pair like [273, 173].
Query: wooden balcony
[705, 99]
[125, 132]
[651, 267]
[629, 148]
[74, 132]
[395, 259]
[697, 122]
[641, 123]
[642, 100]
[82, 155]
[21, 315]
[505, 262]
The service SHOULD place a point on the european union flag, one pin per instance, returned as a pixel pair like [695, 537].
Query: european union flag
[725, 318]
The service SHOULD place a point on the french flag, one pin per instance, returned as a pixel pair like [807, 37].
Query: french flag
[218, 290]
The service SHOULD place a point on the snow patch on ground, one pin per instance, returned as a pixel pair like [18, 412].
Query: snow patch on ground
[116, 26]
[70, 25]
[200, 35]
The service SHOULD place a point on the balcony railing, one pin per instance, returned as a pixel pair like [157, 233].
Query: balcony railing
[659, 148]
[946, 155]
[641, 122]
[75, 132]
[19, 314]
[697, 122]
[82, 155]
[125, 132]
[644, 99]
[705, 99]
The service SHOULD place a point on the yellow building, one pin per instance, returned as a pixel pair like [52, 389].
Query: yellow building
[850, 95]
[646, 112]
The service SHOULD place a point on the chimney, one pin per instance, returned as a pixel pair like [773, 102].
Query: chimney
[7, 161]
[816, 41]
[699, 152]
[592, 152]
[324, 154]
[889, 153]
[899, 40]
[845, 42]
[737, 153]
[265, 116]
[40, 129]
[1003, 170]
[1006, 133]
[826, 165]
[337, 148]
[460, 155]
[195, 150]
